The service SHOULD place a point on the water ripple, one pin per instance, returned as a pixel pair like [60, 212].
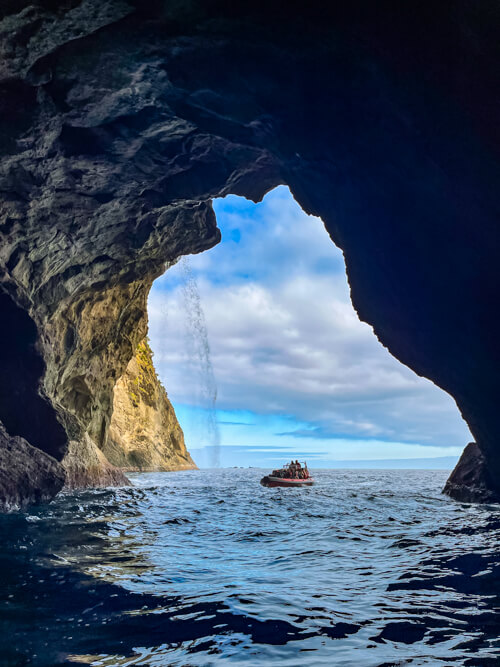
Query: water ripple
[365, 569]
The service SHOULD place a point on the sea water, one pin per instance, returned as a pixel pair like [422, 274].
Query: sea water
[366, 568]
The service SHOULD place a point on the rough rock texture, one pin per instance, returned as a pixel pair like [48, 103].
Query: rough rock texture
[471, 480]
[144, 433]
[122, 119]
[86, 466]
[27, 475]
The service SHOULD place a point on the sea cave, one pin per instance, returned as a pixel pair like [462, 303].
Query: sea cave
[122, 122]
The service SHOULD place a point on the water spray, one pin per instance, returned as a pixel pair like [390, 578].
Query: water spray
[198, 349]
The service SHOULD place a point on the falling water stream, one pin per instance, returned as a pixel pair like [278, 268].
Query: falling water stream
[198, 350]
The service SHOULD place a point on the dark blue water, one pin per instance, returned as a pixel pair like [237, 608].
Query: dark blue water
[367, 568]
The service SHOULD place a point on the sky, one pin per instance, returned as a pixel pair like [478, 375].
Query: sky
[265, 321]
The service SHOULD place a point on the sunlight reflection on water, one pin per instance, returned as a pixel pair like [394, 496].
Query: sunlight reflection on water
[367, 568]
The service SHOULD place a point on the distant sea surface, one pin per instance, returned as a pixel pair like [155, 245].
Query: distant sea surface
[365, 569]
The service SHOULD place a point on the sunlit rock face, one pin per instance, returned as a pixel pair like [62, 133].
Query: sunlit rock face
[122, 119]
[144, 434]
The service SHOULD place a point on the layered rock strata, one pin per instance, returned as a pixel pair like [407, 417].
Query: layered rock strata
[121, 119]
[144, 433]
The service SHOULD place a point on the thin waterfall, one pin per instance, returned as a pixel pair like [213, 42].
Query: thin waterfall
[198, 349]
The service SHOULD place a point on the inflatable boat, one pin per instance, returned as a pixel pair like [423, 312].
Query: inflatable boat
[291, 475]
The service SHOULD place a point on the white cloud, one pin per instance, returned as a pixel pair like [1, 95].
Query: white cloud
[286, 340]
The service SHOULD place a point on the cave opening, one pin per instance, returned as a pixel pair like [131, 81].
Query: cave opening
[298, 374]
[23, 410]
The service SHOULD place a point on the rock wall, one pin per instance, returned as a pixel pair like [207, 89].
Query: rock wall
[144, 433]
[86, 466]
[121, 119]
[471, 480]
[27, 475]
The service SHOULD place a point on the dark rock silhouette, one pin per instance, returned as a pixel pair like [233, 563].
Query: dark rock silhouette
[472, 480]
[27, 475]
[122, 119]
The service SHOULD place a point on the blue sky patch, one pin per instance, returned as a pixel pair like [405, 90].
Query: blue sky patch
[293, 364]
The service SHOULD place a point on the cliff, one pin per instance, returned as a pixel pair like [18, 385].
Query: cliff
[121, 120]
[144, 433]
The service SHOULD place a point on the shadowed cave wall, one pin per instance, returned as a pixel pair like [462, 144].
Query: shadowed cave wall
[23, 410]
[122, 120]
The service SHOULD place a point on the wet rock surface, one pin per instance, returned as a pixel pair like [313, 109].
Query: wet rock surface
[27, 475]
[85, 466]
[472, 480]
[121, 120]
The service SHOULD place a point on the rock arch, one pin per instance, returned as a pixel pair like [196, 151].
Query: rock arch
[121, 120]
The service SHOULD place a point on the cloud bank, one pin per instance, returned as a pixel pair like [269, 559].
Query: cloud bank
[286, 341]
